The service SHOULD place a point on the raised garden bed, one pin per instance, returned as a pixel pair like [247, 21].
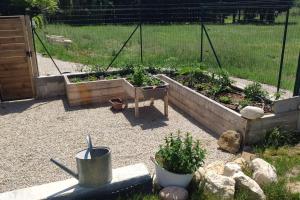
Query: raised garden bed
[88, 88]
[82, 92]
[219, 118]
[219, 87]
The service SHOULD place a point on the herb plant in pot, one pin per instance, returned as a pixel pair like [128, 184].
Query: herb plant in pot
[177, 160]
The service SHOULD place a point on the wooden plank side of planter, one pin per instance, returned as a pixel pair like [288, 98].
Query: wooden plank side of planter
[129, 89]
[211, 114]
[93, 91]
[286, 105]
[258, 128]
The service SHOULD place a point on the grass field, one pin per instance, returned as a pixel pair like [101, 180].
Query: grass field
[246, 51]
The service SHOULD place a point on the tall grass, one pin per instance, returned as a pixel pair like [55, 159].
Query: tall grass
[246, 51]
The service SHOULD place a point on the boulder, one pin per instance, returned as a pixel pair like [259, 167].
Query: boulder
[247, 184]
[252, 112]
[217, 167]
[230, 141]
[248, 156]
[199, 175]
[231, 168]
[219, 186]
[241, 162]
[263, 172]
[173, 193]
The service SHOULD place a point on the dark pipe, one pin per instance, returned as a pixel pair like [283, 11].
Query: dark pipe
[64, 168]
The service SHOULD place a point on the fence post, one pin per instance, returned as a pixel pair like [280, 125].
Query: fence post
[297, 81]
[141, 42]
[201, 44]
[283, 49]
[211, 45]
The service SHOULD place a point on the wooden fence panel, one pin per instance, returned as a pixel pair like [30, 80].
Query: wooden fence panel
[16, 62]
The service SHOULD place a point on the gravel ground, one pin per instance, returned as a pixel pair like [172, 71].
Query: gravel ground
[34, 131]
[47, 67]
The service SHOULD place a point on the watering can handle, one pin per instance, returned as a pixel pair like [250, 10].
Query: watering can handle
[89, 143]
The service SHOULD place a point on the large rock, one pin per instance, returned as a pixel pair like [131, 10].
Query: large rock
[173, 193]
[248, 156]
[230, 141]
[247, 184]
[219, 186]
[263, 172]
[231, 168]
[252, 112]
[217, 167]
[241, 162]
[199, 175]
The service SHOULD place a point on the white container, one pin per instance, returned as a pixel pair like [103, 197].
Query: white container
[166, 178]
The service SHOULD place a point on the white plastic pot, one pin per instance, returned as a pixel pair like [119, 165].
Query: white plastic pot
[166, 178]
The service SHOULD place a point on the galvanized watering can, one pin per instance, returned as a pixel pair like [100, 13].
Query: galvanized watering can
[93, 166]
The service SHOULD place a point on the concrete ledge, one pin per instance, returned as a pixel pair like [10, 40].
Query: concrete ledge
[124, 179]
[50, 86]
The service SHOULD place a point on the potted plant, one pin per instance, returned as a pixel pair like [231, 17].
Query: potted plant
[177, 160]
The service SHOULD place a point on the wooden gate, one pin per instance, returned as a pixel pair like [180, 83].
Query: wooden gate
[18, 65]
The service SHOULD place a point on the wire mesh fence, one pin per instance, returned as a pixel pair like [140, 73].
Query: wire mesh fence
[248, 43]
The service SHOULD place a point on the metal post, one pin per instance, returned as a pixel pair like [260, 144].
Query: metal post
[283, 49]
[141, 42]
[201, 44]
[33, 40]
[121, 49]
[211, 45]
[297, 81]
[46, 50]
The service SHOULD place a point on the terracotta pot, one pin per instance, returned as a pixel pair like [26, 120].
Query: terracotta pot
[117, 104]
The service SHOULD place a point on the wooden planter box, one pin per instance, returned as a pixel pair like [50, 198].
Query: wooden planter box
[91, 92]
[147, 93]
[219, 118]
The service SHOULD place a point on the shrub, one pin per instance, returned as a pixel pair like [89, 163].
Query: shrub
[255, 92]
[180, 155]
[225, 99]
[138, 76]
[279, 136]
[244, 103]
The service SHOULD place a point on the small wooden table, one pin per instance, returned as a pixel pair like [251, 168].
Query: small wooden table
[147, 93]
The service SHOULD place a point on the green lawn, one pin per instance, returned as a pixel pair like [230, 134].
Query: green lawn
[246, 51]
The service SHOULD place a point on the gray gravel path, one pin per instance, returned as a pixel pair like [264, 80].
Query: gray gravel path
[47, 67]
[34, 131]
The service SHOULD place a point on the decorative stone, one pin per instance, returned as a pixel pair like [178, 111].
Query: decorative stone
[241, 162]
[222, 187]
[173, 193]
[264, 173]
[230, 141]
[231, 168]
[248, 156]
[252, 112]
[217, 167]
[246, 183]
[199, 175]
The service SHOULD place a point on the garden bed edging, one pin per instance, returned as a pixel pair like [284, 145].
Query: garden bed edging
[219, 118]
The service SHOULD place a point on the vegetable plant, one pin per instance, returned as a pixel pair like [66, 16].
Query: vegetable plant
[254, 92]
[225, 99]
[180, 155]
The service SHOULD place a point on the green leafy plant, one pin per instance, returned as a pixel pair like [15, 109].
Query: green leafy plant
[225, 99]
[255, 92]
[92, 78]
[138, 76]
[180, 155]
[279, 136]
[245, 102]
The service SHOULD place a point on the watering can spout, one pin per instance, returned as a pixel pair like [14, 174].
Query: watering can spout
[69, 171]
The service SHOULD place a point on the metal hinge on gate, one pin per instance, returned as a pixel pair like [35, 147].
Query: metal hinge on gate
[29, 54]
